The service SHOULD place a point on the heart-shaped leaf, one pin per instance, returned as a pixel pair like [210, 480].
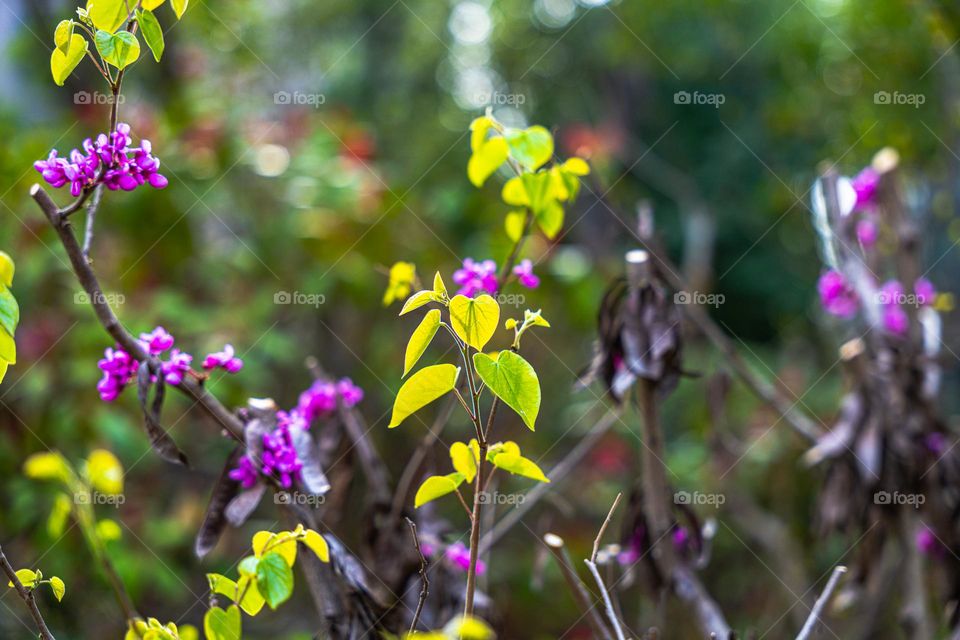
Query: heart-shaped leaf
[59, 589]
[62, 35]
[120, 49]
[179, 7]
[514, 463]
[474, 319]
[513, 380]
[464, 460]
[318, 544]
[152, 33]
[486, 159]
[421, 389]
[436, 487]
[105, 472]
[421, 338]
[7, 268]
[274, 579]
[62, 63]
[220, 624]
[531, 147]
[108, 15]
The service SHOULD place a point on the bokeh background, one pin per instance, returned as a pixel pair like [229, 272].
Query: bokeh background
[309, 145]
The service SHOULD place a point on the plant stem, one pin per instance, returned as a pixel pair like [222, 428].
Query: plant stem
[475, 532]
[27, 596]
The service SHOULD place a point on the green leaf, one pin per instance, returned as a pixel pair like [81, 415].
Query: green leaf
[7, 268]
[4, 365]
[108, 530]
[550, 219]
[8, 348]
[105, 472]
[152, 33]
[108, 15]
[318, 544]
[514, 224]
[478, 132]
[464, 460]
[511, 461]
[402, 276]
[475, 320]
[252, 601]
[420, 339]
[47, 466]
[531, 147]
[421, 389]
[438, 287]
[179, 7]
[58, 515]
[120, 49]
[486, 160]
[468, 628]
[419, 299]
[513, 380]
[283, 543]
[27, 578]
[9, 311]
[63, 63]
[223, 585]
[274, 579]
[219, 624]
[436, 487]
[59, 589]
[62, 37]
[248, 566]
[514, 193]
[576, 166]
[150, 5]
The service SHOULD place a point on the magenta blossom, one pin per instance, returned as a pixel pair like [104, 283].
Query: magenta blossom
[895, 319]
[119, 369]
[865, 185]
[925, 291]
[476, 278]
[836, 295]
[524, 273]
[459, 555]
[225, 359]
[177, 367]
[867, 232]
[157, 341]
[322, 397]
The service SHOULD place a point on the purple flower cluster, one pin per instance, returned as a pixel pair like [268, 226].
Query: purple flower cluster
[226, 360]
[109, 159]
[280, 459]
[120, 368]
[865, 186]
[838, 298]
[475, 277]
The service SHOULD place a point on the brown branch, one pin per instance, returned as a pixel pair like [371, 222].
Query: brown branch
[27, 596]
[592, 566]
[580, 594]
[821, 603]
[425, 589]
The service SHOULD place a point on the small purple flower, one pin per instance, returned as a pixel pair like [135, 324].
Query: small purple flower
[895, 319]
[836, 295]
[681, 539]
[459, 555]
[177, 367]
[225, 359]
[119, 369]
[319, 400]
[157, 341]
[867, 232]
[928, 543]
[865, 185]
[524, 273]
[350, 394]
[475, 278]
[925, 291]
[245, 473]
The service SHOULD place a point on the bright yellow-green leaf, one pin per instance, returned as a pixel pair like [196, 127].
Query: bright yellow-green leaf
[550, 219]
[188, 632]
[150, 5]
[486, 160]
[61, 37]
[220, 624]
[475, 320]
[108, 15]
[59, 589]
[58, 515]
[515, 193]
[3, 369]
[105, 472]
[436, 487]
[47, 466]
[516, 464]
[421, 389]
[274, 579]
[152, 33]
[468, 628]
[478, 132]
[531, 147]
[316, 543]
[63, 63]
[179, 7]
[514, 224]
[576, 166]
[535, 318]
[252, 602]
[402, 277]
[421, 338]
[120, 49]
[283, 543]
[513, 380]
[6, 269]
[419, 299]
[8, 348]
[108, 530]
[27, 578]
[438, 287]
[223, 585]
[464, 460]
[9, 311]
